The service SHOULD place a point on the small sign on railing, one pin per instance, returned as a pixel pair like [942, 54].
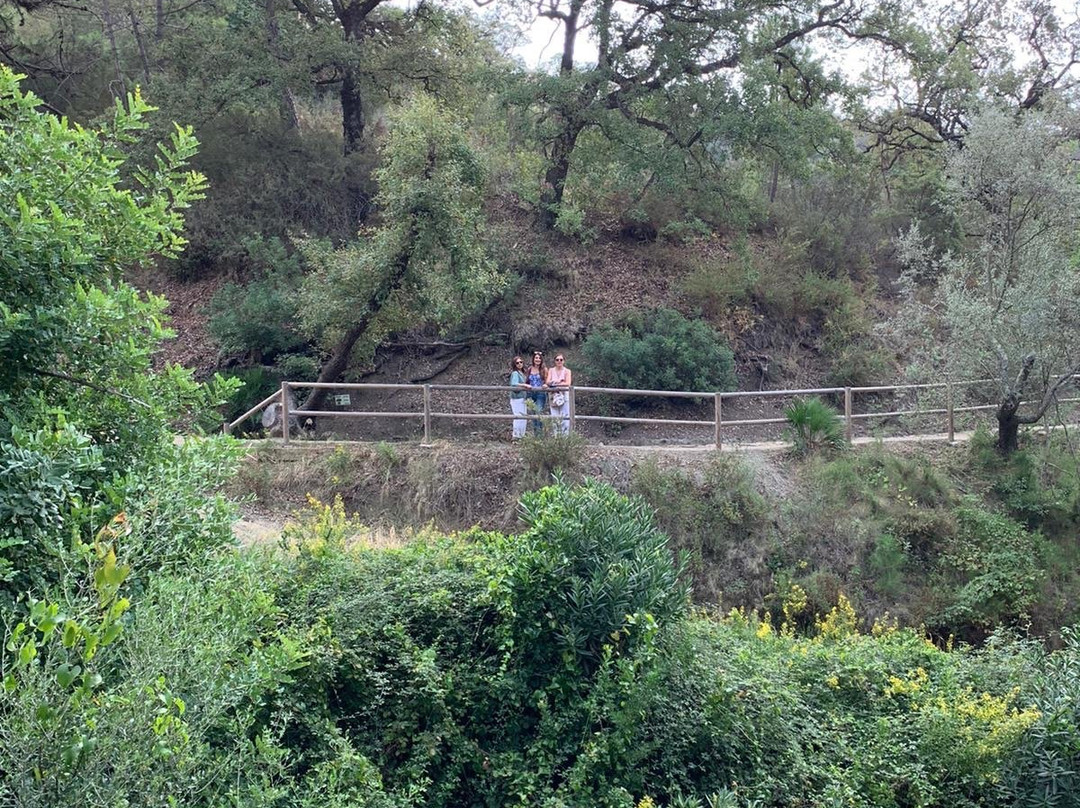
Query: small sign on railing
[343, 400]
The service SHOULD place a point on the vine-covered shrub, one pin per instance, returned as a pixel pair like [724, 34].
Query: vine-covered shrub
[559, 667]
[660, 350]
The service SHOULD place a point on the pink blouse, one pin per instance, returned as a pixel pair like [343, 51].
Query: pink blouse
[557, 379]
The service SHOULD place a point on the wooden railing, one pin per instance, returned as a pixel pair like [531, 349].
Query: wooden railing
[719, 424]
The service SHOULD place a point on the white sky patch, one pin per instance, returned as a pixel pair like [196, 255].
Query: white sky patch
[537, 42]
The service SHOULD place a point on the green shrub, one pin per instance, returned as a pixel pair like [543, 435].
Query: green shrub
[997, 568]
[1039, 485]
[256, 384]
[148, 703]
[297, 367]
[660, 350]
[828, 214]
[814, 426]
[551, 453]
[855, 363]
[45, 476]
[1045, 767]
[256, 321]
[717, 518]
[590, 566]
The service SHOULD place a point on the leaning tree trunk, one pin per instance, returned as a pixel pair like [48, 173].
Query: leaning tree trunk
[339, 359]
[336, 364]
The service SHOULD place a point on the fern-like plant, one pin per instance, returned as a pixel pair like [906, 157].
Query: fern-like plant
[815, 426]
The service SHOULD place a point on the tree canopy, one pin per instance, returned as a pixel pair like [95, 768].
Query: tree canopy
[1004, 306]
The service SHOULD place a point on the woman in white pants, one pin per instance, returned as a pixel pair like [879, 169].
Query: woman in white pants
[560, 378]
[518, 386]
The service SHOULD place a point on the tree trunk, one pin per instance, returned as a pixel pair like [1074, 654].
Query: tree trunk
[352, 112]
[119, 89]
[555, 177]
[353, 122]
[139, 41]
[551, 195]
[1008, 439]
[339, 359]
[335, 366]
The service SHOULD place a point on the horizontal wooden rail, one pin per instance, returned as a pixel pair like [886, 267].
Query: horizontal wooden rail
[714, 399]
[489, 416]
[355, 414]
[814, 391]
[895, 387]
[622, 391]
[864, 415]
[354, 386]
[755, 422]
[612, 419]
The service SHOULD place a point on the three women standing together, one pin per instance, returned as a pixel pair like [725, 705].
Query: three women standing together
[530, 388]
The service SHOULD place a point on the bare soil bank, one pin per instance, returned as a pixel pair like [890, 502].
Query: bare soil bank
[450, 486]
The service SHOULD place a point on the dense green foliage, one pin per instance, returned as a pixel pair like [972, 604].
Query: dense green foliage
[728, 124]
[660, 350]
[557, 667]
[718, 519]
[814, 426]
[426, 262]
[357, 153]
[960, 544]
[85, 423]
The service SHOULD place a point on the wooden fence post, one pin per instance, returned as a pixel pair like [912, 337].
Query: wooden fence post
[573, 408]
[285, 412]
[719, 404]
[849, 430]
[427, 414]
[949, 405]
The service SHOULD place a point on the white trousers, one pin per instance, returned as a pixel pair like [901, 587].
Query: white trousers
[563, 413]
[517, 406]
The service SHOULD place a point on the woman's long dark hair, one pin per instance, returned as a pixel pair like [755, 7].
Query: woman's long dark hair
[513, 367]
[543, 367]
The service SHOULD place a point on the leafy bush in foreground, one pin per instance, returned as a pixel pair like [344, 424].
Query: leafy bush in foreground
[560, 667]
[555, 668]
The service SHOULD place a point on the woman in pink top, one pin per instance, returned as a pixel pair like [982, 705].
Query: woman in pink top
[560, 378]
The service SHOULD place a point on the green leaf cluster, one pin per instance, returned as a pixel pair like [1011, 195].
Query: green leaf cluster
[426, 262]
[86, 421]
[660, 350]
